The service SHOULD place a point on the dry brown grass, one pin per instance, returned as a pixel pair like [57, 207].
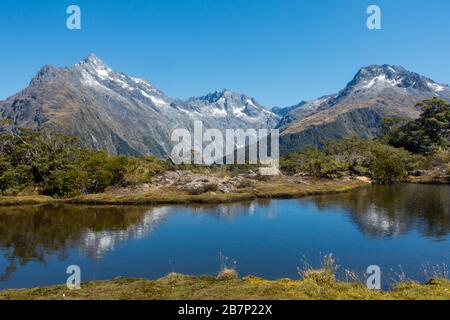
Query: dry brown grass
[26, 200]
[176, 286]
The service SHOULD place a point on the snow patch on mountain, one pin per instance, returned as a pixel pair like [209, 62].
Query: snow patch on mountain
[157, 101]
[436, 87]
[90, 81]
[382, 80]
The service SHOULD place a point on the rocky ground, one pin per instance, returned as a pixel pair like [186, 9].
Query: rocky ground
[198, 183]
[438, 175]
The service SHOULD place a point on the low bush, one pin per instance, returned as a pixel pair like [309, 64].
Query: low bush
[57, 166]
[354, 156]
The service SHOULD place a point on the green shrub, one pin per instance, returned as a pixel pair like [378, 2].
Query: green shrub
[66, 182]
[387, 169]
[354, 156]
[314, 162]
[142, 170]
[55, 163]
[13, 179]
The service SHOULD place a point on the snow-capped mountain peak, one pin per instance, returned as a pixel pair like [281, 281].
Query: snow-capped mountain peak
[123, 114]
[95, 73]
[95, 66]
[380, 77]
[230, 104]
[93, 60]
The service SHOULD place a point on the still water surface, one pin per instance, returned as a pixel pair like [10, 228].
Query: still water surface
[400, 228]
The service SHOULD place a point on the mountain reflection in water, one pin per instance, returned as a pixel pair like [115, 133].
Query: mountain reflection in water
[390, 211]
[35, 234]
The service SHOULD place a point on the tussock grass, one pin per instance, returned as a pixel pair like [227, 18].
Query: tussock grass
[324, 275]
[227, 272]
[176, 286]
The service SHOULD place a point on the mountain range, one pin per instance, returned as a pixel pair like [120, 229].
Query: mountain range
[121, 114]
[376, 92]
[113, 111]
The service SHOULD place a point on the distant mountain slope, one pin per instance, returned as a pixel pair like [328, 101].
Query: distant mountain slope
[376, 92]
[121, 114]
[227, 109]
[282, 112]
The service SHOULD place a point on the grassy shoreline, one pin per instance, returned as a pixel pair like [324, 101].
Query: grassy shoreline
[268, 190]
[180, 287]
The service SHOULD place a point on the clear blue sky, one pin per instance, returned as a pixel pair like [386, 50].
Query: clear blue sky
[279, 51]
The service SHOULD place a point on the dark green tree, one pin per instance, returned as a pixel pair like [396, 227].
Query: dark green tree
[424, 135]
